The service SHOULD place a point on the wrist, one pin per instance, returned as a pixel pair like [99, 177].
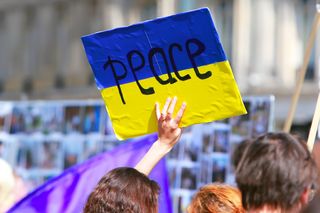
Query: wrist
[162, 147]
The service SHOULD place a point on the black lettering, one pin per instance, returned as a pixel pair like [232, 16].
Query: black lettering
[201, 49]
[110, 62]
[152, 52]
[174, 66]
[144, 91]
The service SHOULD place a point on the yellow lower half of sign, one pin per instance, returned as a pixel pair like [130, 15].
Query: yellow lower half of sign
[213, 98]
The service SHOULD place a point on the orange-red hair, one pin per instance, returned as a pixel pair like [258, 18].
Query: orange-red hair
[216, 198]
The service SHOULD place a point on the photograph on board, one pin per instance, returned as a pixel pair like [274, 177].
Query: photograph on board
[207, 143]
[204, 170]
[5, 116]
[32, 118]
[17, 124]
[50, 154]
[106, 125]
[27, 155]
[221, 140]
[92, 119]
[108, 143]
[93, 146]
[72, 150]
[72, 119]
[241, 125]
[172, 171]
[181, 200]
[190, 150]
[219, 167]
[52, 118]
[189, 177]
[176, 150]
[260, 115]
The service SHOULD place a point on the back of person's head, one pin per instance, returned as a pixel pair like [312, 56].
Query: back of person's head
[277, 171]
[238, 152]
[124, 190]
[7, 184]
[216, 198]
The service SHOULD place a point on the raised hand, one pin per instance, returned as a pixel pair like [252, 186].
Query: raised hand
[169, 131]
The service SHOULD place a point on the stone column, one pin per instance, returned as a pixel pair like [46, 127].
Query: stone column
[4, 67]
[30, 49]
[288, 45]
[44, 76]
[262, 56]
[14, 32]
[77, 74]
[96, 15]
[241, 42]
[134, 13]
[113, 14]
[62, 35]
[166, 8]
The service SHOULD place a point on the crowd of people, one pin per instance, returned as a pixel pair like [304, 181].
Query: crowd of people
[275, 173]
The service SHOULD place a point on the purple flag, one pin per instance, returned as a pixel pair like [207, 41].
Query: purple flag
[69, 191]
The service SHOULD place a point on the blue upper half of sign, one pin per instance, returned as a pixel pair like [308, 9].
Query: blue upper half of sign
[155, 47]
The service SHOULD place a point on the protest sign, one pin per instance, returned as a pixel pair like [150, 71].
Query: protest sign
[179, 55]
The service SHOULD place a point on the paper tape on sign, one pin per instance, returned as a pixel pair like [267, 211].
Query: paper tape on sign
[179, 55]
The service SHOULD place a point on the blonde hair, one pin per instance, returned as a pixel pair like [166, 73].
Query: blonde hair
[216, 198]
[7, 183]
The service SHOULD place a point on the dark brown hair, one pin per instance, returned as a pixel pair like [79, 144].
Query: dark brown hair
[216, 198]
[238, 152]
[124, 190]
[274, 170]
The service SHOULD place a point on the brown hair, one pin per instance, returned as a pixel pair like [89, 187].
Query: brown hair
[238, 152]
[216, 198]
[274, 170]
[124, 190]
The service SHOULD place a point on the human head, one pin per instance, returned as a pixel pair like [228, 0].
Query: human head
[238, 152]
[216, 198]
[124, 190]
[276, 171]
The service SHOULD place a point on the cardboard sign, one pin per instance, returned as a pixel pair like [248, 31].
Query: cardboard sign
[179, 55]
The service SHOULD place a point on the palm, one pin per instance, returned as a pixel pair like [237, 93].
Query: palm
[168, 127]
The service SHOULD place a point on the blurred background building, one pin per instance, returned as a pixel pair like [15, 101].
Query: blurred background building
[41, 54]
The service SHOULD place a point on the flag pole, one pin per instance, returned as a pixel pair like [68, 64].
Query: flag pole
[302, 73]
[314, 125]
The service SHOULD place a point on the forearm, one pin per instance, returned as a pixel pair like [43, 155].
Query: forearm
[156, 152]
[169, 134]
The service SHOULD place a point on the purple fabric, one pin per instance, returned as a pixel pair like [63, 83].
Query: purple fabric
[69, 191]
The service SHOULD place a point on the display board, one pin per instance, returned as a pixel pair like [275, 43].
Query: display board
[41, 139]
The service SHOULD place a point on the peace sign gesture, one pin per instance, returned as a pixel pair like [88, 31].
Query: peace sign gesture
[169, 131]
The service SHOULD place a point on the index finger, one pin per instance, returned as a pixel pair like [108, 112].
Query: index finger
[180, 112]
